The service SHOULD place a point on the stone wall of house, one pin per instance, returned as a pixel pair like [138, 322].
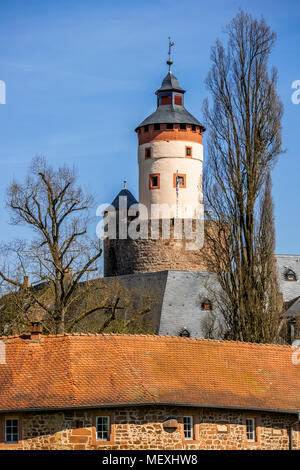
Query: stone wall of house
[143, 428]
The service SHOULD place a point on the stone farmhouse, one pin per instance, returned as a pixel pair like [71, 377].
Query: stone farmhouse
[147, 392]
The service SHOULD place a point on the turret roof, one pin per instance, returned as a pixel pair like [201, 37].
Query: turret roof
[170, 82]
[170, 114]
[125, 193]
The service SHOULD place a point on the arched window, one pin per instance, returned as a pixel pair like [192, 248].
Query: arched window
[290, 275]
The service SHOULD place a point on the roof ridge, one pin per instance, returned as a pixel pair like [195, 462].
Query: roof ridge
[156, 337]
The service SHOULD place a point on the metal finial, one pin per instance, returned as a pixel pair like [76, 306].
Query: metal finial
[125, 184]
[170, 61]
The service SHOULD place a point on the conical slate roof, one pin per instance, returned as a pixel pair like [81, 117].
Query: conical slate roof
[170, 114]
[130, 199]
[170, 82]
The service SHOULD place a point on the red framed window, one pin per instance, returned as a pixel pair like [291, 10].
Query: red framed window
[154, 181]
[181, 178]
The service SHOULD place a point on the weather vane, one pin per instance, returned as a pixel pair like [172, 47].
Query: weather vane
[170, 61]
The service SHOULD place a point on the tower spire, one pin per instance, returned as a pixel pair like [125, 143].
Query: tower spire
[170, 61]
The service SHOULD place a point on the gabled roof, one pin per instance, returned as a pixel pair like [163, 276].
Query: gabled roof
[72, 371]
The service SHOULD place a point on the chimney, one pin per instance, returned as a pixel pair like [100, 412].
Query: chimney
[26, 283]
[36, 331]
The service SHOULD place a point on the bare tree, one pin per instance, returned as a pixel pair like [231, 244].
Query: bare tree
[244, 141]
[61, 259]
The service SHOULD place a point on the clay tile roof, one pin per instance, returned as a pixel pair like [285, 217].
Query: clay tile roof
[67, 371]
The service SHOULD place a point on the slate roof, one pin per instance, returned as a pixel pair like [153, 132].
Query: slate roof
[170, 114]
[170, 82]
[290, 289]
[130, 199]
[72, 371]
[293, 307]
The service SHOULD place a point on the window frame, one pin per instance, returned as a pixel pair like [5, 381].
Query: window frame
[195, 436]
[108, 428]
[182, 175]
[158, 181]
[3, 442]
[188, 147]
[103, 442]
[252, 431]
[148, 149]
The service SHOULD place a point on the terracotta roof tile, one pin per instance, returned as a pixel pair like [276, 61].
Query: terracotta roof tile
[66, 371]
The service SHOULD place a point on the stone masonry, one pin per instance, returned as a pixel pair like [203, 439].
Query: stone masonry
[143, 428]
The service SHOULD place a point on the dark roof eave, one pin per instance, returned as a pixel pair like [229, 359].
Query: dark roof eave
[115, 405]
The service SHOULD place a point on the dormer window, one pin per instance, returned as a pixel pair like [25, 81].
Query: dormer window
[290, 275]
[206, 305]
[185, 333]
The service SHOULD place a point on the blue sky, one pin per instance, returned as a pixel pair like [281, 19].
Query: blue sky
[81, 75]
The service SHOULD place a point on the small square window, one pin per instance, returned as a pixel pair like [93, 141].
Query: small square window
[188, 428]
[170, 126]
[103, 428]
[250, 429]
[157, 127]
[146, 128]
[183, 126]
[188, 152]
[193, 127]
[179, 180]
[11, 431]
[147, 153]
[154, 181]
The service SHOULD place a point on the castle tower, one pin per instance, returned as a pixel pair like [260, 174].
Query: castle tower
[170, 154]
[170, 158]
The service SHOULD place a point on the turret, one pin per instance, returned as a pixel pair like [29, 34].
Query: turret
[170, 154]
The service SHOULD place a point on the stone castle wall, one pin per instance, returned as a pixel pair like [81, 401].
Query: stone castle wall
[151, 255]
[142, 428]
